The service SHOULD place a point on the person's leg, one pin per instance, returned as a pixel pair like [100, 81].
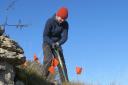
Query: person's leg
[47, 59]
[64, 66]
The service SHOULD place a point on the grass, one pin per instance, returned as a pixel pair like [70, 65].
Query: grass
[32, 74]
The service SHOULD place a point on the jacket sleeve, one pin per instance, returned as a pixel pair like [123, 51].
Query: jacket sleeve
[64, 35]
[46, 34]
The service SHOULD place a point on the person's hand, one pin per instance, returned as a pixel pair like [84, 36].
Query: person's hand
[55, 45]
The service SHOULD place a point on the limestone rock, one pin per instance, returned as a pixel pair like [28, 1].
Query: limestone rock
[10, 51]
[11, 55]
[6, 74]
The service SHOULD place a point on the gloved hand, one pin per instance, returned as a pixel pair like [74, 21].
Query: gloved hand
[55, 45]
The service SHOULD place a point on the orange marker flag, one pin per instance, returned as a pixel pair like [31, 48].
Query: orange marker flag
[55, 62]
[36, 59]
[78, 70]
[51, 69]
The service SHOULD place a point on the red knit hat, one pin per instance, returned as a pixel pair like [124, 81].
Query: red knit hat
[62, 12]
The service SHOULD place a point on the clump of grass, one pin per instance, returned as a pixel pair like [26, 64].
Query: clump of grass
[75, 83]
[31, 74]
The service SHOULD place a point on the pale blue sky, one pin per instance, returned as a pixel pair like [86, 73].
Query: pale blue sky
[98, 35]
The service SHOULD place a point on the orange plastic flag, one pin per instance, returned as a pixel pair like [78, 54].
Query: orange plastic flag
[78, 70]
[55, 62]
[36, 59]
[51, 69]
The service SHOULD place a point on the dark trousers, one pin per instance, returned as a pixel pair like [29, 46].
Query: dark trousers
[48, 56]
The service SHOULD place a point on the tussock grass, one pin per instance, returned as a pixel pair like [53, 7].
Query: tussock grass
[32, 74]
[73, 83]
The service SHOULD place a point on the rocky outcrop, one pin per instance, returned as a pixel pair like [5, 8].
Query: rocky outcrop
[7, 74]
[10, 51]
[11, 55]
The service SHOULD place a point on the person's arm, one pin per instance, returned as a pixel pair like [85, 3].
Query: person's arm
[46, 34]
[64, 35]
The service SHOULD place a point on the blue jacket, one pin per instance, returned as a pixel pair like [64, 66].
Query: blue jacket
[55, 32]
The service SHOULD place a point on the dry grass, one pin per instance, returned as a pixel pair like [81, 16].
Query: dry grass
[73, 83]
[32, 74]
